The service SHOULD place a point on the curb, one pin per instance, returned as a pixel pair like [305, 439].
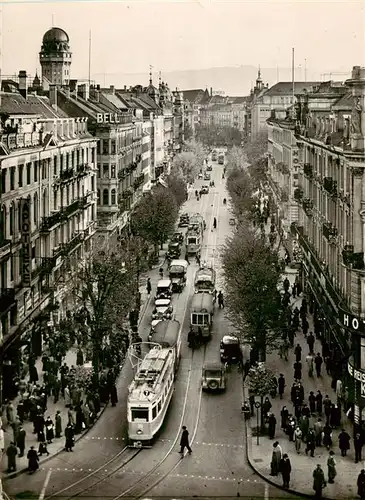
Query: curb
[267, 479]
[17, 473]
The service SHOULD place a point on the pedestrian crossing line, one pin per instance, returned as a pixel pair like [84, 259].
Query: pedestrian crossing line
[222, 445]
[189, 476]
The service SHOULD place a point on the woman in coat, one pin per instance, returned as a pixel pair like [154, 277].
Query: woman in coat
[49, 430]
[331, 465]
[275, 459]
[285, 469]
[361, 484]
[284, 417]
[272, 425]
[327, 436]
[266, 407]
[67, 396]
[298, 439]
[58, 421]
[344, 442]
[33, 460]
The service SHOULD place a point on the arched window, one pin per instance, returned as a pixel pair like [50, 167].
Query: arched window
[3, 223]
[35, 209]
[12, 220]
[113, 197]
[105, 197]
[98, 196]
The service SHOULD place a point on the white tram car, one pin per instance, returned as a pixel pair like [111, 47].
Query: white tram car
[151, 391]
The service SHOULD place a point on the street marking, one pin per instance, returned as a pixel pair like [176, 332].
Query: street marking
[266, 497]
[45, 484]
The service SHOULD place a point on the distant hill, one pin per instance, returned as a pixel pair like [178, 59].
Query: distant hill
[232, 80]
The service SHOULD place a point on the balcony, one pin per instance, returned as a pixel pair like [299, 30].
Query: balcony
[122, 174]
[308, 206]
[67, 175]
[127, 193]
[83, 169]
[76, 239]
[138, 158]
[138, 182]
[330, 186]
[298, 194]
[329, 232]
[70, 209]
[308, 170]
[7, 299]
[47, 265]
[352, 259]
[4, 247]
[50, 221]
[84, 201]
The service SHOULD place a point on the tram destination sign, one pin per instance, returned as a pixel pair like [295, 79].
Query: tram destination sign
[352, 322]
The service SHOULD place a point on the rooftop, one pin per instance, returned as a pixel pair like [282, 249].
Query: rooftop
[285, 88]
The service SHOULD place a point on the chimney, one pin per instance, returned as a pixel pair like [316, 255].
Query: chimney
[23, 83]
[211, 91]
[83, 91]
[53, 96]
[98, 87]
[112, 88]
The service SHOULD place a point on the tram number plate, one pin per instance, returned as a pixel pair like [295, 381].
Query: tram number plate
[137, 444]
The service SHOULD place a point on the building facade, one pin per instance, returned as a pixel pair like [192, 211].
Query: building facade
[48, 217]
[330, 140]
[55, 57]
[193, 102]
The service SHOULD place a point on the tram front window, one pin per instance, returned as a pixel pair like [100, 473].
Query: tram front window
[139, 414]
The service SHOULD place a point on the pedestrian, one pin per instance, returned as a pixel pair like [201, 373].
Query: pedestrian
[344, 442]
[10, 413]
[304, 426]
[161, 272]
[297, 371]
[331, 467]
[318, 360]
[184, 441]
[197, 257]
[290, 427]
[20, 442]
[285, 348]
[16, 426]
[327, 436]
[187, 258]
[11, 453]
[312, 402]
[327, 404]
[281, 385]
[33, 460]
[361, 484]
[284, 417]
[311, 442]
[318, 429]
[266, 407]
[286, 284]
[58, 422]
[310, 341]
[148, 286]
[275, 459]
[71, 416]
[319, 481]
[67, 396]
[305, 326]
[69, 436]
[298, 353]
[272, 426]
[285, 469]
[42, 449]
[2, 437]
[113, 395]
[49, 430]
[358, 444]
[220, 299]
[319, 402]
[298, 439]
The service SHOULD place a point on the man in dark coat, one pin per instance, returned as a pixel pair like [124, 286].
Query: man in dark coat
[310, 342]
[286, 284]
[69, 435]
[285, 469]
[33, 460]
[318, 360]
[184, 441]
[318, 481]
[298, 352]
[148, 286]
[361, 484]
[20, 442]
[281, 385]
[113, 395]
[344, 442]
[11, 453]
[58, 422]
[358, 444]
[272, 426]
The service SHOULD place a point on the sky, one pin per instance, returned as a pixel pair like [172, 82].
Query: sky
[171, 35]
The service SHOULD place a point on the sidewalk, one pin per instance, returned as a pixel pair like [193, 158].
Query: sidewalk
[58, 444]
[259, 456]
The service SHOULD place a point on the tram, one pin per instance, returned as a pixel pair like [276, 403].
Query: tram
[150, 393]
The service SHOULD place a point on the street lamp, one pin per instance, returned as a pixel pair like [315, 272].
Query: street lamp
[258, 430]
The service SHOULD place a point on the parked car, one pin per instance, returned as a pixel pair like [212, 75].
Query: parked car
[178, 236]
[230, 349]
[184, 220]
[204, 190]
[164, 289]
[163, 309]
[200, 175]
[206, 176]
[209, 168]
[174, 250]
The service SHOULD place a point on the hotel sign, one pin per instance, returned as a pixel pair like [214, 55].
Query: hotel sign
[104, 118]
[358, 375]
[26, 244]
[348, 320]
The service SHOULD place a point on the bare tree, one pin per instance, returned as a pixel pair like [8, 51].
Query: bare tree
[253, 302]
[187, 165]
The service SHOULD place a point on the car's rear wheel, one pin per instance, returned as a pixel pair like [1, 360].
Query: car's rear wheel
[213, 384]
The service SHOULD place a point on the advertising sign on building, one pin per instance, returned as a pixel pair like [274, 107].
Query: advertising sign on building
[348, 320]
[26, 245]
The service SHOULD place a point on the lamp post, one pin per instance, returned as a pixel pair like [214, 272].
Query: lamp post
[257, 406]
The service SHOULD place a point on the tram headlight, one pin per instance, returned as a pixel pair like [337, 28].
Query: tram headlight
[139, 432]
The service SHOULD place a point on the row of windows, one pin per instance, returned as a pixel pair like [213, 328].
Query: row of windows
[144, 413]
[113, 197]
[113, 146]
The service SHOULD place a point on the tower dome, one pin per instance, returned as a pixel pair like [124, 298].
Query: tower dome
[55, 56]
[56, 35]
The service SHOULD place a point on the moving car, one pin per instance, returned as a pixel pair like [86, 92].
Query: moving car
[230, 349]
[200, 176]
[209, 168]
[154, 323]
[232, 221]
[163, 309]
[214, 156]
[214, 377]
[184, 220]
[174, 250]
[206, 176]
[204, 189]
[164, 289]
[178, 236]
[177, 273]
